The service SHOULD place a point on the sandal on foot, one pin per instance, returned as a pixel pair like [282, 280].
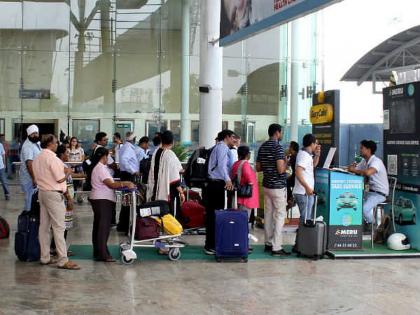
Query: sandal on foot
[69, 266]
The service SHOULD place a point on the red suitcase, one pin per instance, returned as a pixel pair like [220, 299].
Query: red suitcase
[192, 213]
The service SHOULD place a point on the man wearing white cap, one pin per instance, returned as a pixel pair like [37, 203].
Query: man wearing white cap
[30, 150]
[129, 167]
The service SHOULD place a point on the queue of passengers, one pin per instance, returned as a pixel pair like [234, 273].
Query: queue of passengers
[43, 169]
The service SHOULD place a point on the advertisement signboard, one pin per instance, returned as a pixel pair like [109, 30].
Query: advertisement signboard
[240, 19]
[402, 154]
[340, 202]
[325, 119]
[346, 208]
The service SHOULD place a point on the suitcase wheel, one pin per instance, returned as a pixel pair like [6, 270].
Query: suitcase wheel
[244, 259]
[174, 254]
[218, 259]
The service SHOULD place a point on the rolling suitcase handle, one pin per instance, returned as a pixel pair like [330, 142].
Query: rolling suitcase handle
[315, 208]
[235, 200]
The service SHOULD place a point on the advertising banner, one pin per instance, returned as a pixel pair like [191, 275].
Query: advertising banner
[402, 155]
[325, 119]
[346, 211]
[243, 18]
[340, 202]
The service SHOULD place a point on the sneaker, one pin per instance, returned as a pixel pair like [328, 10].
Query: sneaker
[268, 248]
[209, 251]
[279, 253]
[7, 197]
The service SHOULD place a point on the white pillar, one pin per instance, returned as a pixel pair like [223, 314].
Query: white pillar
[295, 80]
[211, 72]
[185, 77]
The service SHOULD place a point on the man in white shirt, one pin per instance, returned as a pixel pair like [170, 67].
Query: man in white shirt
[306, 161]
[374, 169]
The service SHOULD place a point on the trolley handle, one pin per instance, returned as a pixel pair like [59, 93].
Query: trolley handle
[126, 189]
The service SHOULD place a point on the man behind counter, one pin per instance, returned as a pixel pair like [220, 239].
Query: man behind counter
[373, 168]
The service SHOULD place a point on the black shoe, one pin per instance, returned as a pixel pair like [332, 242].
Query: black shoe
[268, 248]
[278, 253]
[209, 251]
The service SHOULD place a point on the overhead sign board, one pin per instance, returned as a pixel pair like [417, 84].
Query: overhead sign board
[240, 19]
[34, 94]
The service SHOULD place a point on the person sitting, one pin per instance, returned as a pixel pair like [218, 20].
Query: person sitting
[374, 169]
[164, 181]
[102, 199]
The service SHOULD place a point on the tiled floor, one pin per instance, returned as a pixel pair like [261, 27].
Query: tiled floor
[197, 287]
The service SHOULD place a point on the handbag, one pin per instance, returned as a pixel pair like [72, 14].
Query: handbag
[244, 191]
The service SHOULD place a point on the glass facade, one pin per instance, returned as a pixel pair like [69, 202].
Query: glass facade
[82, 66]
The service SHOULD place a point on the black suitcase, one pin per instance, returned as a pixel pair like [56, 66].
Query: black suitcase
[312, 237]
[27, 246]
[26, 238]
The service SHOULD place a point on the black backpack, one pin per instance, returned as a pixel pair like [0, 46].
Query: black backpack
[196, 172]
[145, 165]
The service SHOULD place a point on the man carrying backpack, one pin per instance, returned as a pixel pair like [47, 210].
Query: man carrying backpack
[218, 181]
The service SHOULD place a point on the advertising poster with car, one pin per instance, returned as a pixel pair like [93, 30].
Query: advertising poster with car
[346, 211]
[402, 156]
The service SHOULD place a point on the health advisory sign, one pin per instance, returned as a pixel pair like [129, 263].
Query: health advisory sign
[346, 211]
[243, 18]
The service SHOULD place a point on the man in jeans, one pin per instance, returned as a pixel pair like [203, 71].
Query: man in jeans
[306, 161]
[271, 161]
[50, 175]
[219, 180]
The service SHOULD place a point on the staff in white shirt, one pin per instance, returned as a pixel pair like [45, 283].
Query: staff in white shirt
[374, 169]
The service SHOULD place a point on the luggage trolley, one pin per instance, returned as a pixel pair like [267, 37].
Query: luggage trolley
[171, 242]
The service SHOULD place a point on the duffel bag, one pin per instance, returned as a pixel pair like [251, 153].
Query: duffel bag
[146, 228]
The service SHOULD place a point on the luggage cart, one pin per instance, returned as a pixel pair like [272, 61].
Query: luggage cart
[171, 242]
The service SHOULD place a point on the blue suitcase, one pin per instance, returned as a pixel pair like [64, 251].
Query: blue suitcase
[232, 234]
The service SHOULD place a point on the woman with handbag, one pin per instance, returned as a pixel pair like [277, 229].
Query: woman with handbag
[246, 179]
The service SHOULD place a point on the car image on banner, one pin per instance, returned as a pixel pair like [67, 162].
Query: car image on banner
[404, 211]
[347, 201]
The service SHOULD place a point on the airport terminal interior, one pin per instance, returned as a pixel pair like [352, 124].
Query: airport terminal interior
[196, 67]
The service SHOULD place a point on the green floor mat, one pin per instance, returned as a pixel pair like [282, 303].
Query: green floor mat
[378, 251]
[192, 252]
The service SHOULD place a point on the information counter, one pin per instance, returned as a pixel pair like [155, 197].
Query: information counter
[340, 202]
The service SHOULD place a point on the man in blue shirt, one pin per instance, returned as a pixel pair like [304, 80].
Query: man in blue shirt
[129, 167]
[30, 150]
[219, 180]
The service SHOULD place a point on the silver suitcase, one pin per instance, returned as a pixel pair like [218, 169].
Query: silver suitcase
[312, 236]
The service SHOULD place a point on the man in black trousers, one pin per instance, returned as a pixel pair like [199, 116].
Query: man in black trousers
[219, 180]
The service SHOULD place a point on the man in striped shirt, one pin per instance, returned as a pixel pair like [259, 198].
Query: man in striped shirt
[271, 160]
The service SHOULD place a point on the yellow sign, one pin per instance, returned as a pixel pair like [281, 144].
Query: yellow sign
[322, 114]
